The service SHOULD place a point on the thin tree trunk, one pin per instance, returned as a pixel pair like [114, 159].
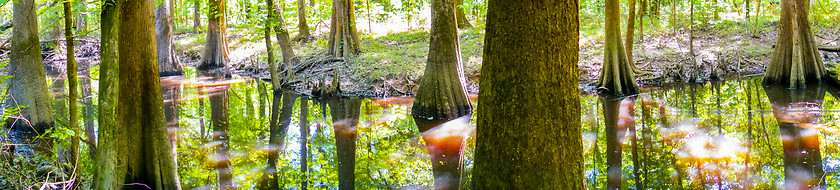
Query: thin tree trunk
[463, 22]
[529, 97]
[282, 36]
[617, 75]
[81, 18]
[303, 27]
[73, 86]
[196, 15]
[631, 29]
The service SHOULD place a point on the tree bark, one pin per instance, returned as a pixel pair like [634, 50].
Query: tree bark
[139, 152]
[73, 87]
[215, 49]
[631, 30]
[282, 36]
[463, 22]
[196, 15]
[167, 58]
[529, 97]
[344, 38]
[303, 27]
[442, 94]
[795, 60]
[617, 75]
[345, 114]
[109, 174]
[28, 85]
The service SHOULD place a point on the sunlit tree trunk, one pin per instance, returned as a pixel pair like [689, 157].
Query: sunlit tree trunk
[215, 49]
[107, 169]
[795, 60]
[463, 22]
[529, 97]
[282, 36]
[167, 59]
[28, 85]
[303, 27]
[345, 115]
[617, 75]
[344, 38]
[139, 150]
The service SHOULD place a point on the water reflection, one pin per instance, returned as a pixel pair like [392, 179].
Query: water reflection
[798, 113]
[345, 116]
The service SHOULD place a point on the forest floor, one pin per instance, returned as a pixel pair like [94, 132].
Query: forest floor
[391, 65]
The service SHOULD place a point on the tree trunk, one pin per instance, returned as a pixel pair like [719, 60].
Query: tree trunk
[303, 27]
[109, 174]
[344, 40]
[345, 114]
[529, 97]
[167, 58]
[81, 18]
[88, 112]
[73, 86]
[795, 60]
[196, 15]
[304, 147]
[463, 22]
[140, 150]
[282, 36]
[215, 49]
[442, 94]
[747, 9]
[631, 29]
[617, 75]
[28, 85]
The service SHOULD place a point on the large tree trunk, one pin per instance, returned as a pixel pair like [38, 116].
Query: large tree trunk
[108, 171]
[795, 60]
[215, 49]
[344, 39]
[442, 95]
[167, 59]
[617, 75]
[139, 152]
[73, 86]
[795, 111]
[28, 85]
[303, 27]
[345, 114]
[529, 97]
[463, 22]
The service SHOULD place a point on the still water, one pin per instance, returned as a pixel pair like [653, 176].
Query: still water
[722, 135]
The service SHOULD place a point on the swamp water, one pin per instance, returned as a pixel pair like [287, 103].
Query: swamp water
[722, 135]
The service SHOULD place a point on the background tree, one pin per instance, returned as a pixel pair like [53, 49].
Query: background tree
[795, 60]
[442, 95]
[282, 35]
[28, 85]
[196, 15]
[344, 38]
[167, 58]
[139, 150]
[215, 49]
[529, 97]
[303, 27]
[73, 86]
[463, 22]
[617, 75]
[631, 29]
